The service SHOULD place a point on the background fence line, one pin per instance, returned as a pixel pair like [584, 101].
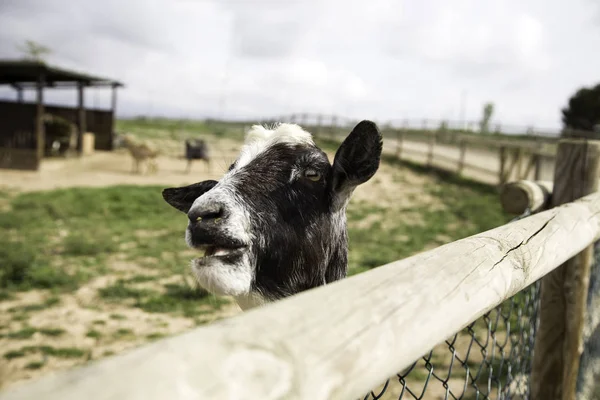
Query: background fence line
[488, 158]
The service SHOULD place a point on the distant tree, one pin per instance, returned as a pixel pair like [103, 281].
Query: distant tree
[34, 51]
[583, 110]
[443, 126]
[488, 111]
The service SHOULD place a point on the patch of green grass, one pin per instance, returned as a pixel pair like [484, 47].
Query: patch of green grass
[60, 352]
[99, 322]
[468, 208]
[49, 302]
[180, 299]
[139, 279]
[94, 334]
[22, 317]
[123, 333]
[89, 244]
[97, 221]
[155, 335]
[161, 128]
[23, 267]
[35, 365]
[6, 295]
[119, 317]
[52, 331]
[24, 333]
[14, 354]
[120, 291]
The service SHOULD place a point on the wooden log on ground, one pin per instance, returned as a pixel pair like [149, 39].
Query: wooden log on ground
[517, 197]
[374, 324]
[564, 291]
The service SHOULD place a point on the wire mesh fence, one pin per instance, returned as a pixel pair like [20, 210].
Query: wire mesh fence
[491, 358]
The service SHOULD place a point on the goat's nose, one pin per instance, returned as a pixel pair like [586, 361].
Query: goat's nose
[205, 213]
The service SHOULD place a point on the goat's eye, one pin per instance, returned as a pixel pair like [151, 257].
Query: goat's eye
[312, 174]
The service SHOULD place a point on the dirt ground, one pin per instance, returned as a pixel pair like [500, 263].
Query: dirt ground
[79, 313]
[91, 324]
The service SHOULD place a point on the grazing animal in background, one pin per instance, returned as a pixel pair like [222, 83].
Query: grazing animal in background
[275, 224]
[140, 152]
[196, 150]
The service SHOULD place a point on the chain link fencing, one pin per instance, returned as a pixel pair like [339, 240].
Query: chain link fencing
[491, 358]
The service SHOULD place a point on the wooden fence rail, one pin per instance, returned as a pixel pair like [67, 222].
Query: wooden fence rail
[492, 160]
[340, 340]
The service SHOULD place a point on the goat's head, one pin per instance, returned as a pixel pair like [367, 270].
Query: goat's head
[275, 224]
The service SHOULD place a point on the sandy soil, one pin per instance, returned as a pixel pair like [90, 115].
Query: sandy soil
[81, 312]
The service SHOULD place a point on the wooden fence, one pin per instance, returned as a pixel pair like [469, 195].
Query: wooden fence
[341, 340]
[492, 159]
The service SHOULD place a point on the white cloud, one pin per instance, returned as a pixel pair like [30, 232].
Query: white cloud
[385, 59]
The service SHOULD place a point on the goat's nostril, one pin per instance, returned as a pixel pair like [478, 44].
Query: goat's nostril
[213, 214]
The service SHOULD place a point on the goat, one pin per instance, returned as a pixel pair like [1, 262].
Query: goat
[196, 150]
[140, 152]
[275, 224]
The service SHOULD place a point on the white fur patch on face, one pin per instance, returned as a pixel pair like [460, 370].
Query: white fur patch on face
[225, 279]
[259, 138]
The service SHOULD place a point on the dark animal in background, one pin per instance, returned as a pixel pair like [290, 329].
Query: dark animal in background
[196, 150]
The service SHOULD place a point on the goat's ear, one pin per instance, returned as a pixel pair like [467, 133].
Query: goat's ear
[182, 198]
[355, 162]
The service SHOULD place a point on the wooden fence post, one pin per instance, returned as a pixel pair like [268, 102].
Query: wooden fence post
[502, 173]
[430, 152]
[461, 157]
[519, 154]
[333, 127]
[538, 167]
[399, 140]
[318, 128]
[563, 296]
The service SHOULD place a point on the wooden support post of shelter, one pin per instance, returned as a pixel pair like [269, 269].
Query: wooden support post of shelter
[40, 136]
[19, 90]
[113, 97]
[81, 126]
[564, 291]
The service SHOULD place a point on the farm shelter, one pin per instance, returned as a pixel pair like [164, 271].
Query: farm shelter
[22, 132]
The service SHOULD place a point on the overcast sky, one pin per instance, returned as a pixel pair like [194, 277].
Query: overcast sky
[379, 59]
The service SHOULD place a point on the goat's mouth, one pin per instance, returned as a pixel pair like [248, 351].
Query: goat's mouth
[213, 252]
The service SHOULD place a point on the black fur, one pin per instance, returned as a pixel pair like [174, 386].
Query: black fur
[299, 223]
[182, 198]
